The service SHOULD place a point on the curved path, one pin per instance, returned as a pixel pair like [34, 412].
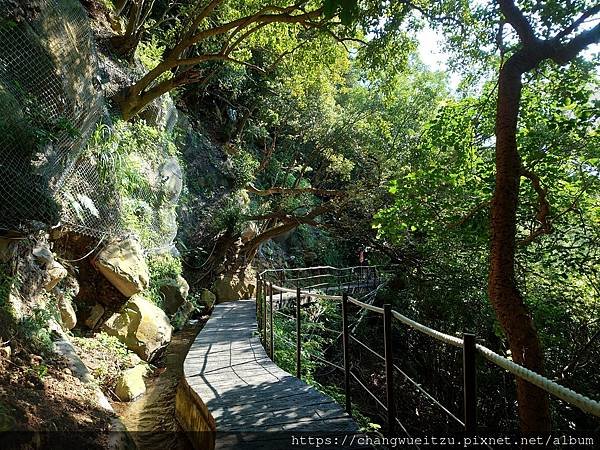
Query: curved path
[255, 404]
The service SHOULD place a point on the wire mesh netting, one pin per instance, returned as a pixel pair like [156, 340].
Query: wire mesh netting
[49, 104]
[51, 100]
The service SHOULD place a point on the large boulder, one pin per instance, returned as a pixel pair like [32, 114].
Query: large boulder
[234, 287]
[67, 313]
[65, 292]
[142, 326]
[55, 272]
[175, 293]
[207, 298]
[122, 263]
[182, 315]
[94, 316]
[130, 384]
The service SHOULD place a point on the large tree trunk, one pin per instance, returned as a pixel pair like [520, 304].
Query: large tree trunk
[534, 409]
[125, 46]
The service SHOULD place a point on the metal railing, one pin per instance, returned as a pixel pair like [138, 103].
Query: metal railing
[370, 276]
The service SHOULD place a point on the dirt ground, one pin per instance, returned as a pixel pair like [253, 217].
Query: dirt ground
[43, 406]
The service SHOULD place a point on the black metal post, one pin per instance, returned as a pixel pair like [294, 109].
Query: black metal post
[264, 318]
[258, 292]
[346, 350]
[271, 345]
[389, 368]
[298, 337]
[470, 382]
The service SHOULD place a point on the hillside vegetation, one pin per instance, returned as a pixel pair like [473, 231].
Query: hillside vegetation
[156, 155]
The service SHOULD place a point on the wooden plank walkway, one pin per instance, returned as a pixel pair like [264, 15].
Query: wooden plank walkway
[253, 401]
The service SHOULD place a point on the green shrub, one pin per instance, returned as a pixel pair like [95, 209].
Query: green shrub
[162, 268]
[7, 282]
[32, 330]
[129, 156]
[106, 355]
[228, 215]
[242, 170]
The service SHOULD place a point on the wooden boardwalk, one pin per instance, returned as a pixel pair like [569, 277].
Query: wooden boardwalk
[255, 404]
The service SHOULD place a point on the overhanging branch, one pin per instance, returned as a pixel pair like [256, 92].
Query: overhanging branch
[294, 191]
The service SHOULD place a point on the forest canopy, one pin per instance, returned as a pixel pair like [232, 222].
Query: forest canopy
[492, 189]
[316, 124]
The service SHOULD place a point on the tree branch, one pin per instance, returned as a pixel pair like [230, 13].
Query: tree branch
[291, 223]
[294, 191]
[518, 21]
[470, 214]
[568, 51]
[590, 12]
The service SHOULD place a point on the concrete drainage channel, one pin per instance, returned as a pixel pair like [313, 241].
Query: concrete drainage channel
[152, 420]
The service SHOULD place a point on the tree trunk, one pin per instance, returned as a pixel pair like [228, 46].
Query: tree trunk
[125, 45]
[129, 104]
[534, 409]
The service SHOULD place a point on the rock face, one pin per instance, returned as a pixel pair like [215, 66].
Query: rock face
[234, 287]
[122, 263]
[175, 293]
[130, 384]
[6, 249]
[250, 232]
[171, 179]
[142, 326]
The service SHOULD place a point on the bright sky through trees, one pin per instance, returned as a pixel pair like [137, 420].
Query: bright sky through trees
[431, 53]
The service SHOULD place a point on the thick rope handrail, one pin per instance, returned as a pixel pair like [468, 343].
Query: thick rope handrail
[300, 269]
[375, 309]
[582, 402]
[443, 337]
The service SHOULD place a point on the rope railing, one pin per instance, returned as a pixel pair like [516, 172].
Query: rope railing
[466, 343]
[305, 269]
[569, 396]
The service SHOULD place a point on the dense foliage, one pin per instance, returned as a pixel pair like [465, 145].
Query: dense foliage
[313, 134]
[328, 120]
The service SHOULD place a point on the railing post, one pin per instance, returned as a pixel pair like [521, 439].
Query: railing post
[298, 337]
[258, 293]
[470, 382]
[264, 317]
[346, 350]
[271, 345]
[389, 367]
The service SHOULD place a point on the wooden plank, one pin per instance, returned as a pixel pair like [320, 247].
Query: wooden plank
[245, 391]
